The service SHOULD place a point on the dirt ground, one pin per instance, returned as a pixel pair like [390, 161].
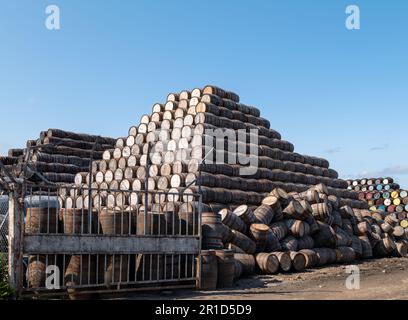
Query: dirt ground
[379, 279]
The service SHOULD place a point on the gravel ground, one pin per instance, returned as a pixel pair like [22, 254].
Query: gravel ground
[379, 279]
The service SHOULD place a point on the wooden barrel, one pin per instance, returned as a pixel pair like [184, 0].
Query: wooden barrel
[296, 227]
[294, 210]
[364, 228]
[36, 271]
[211, 231]
[398, 232]
[226, 234]
[367, 250]
[311, 258]
[326, 237]
[326, 256]
[231, 220]
[320, 210]
[115, 222]
[209, 270]
[267, 263]
[284, 259]
[264, 214]
[305, 242]
[298, 260]
[310, 195]
[243, 242]
[357, 246]
[384, 247]
[41, 220]
[342, 238]
[226, 268]
[82, 270]
[238, 270]
[401, 249]
[77, 221]
[260, 234]
[313, 225]
[153, 223]
[188, 217]
[247, 261]
[246, 214]
[345, 255]
[279, 229]
[289, 244]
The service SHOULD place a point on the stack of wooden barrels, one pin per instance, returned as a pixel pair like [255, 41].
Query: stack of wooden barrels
[294, 231]
[11, 160]
[384, 197]
[57, 155]
[175, 149]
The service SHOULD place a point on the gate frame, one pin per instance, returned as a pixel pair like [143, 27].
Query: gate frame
[17, 244]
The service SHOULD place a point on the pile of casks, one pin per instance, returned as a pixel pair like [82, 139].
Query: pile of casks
[292, 232]
[383, 197]
[165, 153]
[12, 158]
[59, 155]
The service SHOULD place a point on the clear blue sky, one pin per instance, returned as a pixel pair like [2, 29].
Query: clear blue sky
[335, 93]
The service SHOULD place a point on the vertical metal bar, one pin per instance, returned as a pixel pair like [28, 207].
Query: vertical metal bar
[89, 269]
[165, 267]
[16, 221]
[151, 267]
[158, 267]
[198, 272]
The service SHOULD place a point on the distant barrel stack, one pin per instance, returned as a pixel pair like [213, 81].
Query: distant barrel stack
[384, 197]
[57, 155]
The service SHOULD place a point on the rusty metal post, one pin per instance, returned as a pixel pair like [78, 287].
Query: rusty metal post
[15, 246]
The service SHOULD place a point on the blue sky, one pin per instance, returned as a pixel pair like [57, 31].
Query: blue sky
[334, 93]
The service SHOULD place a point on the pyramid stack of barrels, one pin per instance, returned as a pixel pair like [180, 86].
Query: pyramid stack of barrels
[57, 155]
[171, 143]
[384, 197]
[11, 160]
[295, 231]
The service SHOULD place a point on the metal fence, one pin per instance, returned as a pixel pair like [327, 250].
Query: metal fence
[4, 224]
[89, 241]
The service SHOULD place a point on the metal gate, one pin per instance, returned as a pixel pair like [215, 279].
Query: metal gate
[89, 241]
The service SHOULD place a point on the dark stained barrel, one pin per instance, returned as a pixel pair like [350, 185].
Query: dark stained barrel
[211, 231]
[226, 268]
[279, 229]
[298, 260]
[326, 237]
[345, 254]
[311, 258]
[247, 261]
[367, 250]
[264, 214]
[243, 242]
[232, 220]
[209, 270]
[305, 242]
[326, 256]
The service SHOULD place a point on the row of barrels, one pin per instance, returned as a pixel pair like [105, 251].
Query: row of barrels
[59, 155]
[83, 273]
[167, 220]
[288, 223]
[384, 198]
[372, 184]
